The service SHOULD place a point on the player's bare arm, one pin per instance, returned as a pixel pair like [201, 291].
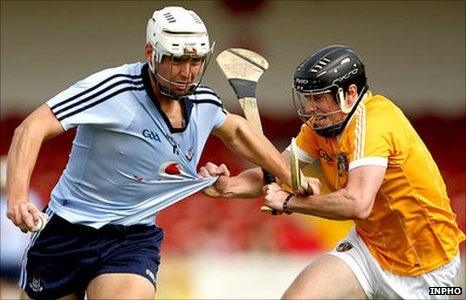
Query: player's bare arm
[246, 141]
[355, 201]
[28, 137]
[247, 184]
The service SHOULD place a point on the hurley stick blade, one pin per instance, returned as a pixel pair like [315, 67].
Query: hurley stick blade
[237, 63]
[242, 68]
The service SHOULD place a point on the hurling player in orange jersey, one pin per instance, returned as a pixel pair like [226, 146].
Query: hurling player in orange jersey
[381, 175]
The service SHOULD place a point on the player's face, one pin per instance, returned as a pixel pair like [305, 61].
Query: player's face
[323, 110]
[179, 73]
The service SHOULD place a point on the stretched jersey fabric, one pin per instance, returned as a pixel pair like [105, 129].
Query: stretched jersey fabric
[411, 229]
[127, 162]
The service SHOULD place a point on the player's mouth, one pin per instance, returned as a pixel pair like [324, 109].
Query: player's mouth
[320, 118]
[180, 86]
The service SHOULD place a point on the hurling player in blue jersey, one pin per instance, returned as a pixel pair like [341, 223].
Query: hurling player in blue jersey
[141, 129]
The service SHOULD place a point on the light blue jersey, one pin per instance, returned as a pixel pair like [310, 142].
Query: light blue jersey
[127, 162]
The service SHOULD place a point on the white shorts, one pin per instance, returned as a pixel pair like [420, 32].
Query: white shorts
[378, 283]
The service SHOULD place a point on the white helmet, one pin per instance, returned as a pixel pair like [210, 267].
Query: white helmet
[175, 31]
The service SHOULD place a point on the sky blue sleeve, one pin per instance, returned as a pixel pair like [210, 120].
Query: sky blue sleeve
[102, 99]
[220, 117]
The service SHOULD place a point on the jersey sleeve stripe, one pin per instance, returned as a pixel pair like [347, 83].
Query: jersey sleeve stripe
[363, 131]
[208, 101]
[360, 132]
[369, 161]
[129, 88]
[206, 95]
[302, 155]
[356, 136]
[204, 89]
[94, 87]
[95, 95]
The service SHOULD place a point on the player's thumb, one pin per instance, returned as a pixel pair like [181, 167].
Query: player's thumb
[315, 185]
[223, 170]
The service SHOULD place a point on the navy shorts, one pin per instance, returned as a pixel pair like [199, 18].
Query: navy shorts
[63, 258]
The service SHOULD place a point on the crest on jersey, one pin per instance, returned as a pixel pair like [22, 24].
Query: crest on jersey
[172, 170]
[190, 154]
[342, 164]
[36, 285]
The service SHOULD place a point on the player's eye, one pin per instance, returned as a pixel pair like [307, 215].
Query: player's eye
[195, 60]
[179, 59]
[317, 98]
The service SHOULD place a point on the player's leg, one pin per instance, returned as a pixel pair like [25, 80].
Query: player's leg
[328, 277]
[129, 263]
[120, 286]
[24, 296]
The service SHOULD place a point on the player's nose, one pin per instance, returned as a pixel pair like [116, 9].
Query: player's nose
[185, 69]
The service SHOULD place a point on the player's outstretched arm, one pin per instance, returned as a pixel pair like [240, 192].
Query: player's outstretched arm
[355, 201]
[246, 141]
[27, 140]
[247, 184]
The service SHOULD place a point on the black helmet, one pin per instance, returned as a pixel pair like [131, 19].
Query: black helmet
[331, 69]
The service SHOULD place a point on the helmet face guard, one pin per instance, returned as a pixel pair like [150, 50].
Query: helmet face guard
[175, 89]
[326, 74]
[317, 120]
[181, 36]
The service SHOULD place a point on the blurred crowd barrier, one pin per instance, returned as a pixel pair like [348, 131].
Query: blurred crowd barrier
[213, 245]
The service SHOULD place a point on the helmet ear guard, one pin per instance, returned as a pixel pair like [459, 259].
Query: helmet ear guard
[344, 105]
[340, 95]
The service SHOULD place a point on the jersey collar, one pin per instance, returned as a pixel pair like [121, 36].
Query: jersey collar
[186, 103]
